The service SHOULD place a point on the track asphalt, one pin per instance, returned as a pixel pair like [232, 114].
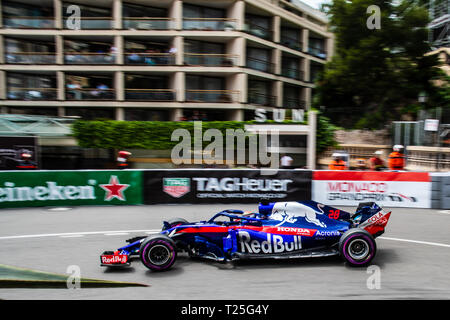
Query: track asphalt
[412, 260]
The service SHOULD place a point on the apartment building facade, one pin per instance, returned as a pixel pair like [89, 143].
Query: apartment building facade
[159, 59]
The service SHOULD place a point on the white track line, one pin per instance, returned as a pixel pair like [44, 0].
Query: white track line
[125, 232]
[418, 242]
[77, 234]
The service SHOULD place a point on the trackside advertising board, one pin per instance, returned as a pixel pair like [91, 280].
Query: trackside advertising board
[389, 189]
[225, 186]
[70, 188]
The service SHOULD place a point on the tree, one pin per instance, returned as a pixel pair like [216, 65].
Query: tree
[375, 73]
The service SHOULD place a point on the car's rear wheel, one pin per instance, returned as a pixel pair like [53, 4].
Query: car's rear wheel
[158, 253]
[357, 247]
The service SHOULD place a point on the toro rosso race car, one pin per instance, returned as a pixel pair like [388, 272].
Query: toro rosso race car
[278, 230]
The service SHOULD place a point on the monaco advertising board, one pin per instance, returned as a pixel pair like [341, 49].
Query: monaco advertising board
[69, 188]
[390, 189]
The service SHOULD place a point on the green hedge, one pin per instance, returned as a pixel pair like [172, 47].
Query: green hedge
[155, 135]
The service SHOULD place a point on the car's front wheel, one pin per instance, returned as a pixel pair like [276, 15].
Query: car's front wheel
[158, 253]
[174, 222]
[357, 247]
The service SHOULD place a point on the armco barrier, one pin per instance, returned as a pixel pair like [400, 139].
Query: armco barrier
[70, 188]
[440, 194]
[130, 187]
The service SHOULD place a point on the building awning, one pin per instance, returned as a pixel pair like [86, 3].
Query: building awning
[41, 126]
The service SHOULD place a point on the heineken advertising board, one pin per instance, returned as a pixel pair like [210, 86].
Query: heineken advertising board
[225, 186]
[70, 188]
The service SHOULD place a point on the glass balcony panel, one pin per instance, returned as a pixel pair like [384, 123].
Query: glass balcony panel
[209, 24]
[210, 60]
[150, 94]
[317, 52]
[261, 99]
[158, 59]
[89, 58]
[291, 42]
[292, 73]
[28, 22]
[91, 23]
[293, 103]
[220, 96]
[90, 94]
[257, 30]
[32, 93]
[30, 57]
[260, 65]
[147, 23]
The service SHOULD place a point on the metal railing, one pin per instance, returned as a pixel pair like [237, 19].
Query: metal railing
[90, 94]
[147, 23]
[150, 94]
[211, 59]
[32, 93]
[220, 96]
[25, 22]
[30, 57]
[89, 58]
[260, 65]
[261, 99]
[142, 58]
[216, 24]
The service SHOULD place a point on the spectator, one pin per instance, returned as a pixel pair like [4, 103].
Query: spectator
[286, 162]
[376, 163]
[337, 163]
[396, 158]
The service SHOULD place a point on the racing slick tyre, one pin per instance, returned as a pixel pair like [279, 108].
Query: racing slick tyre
[175, 222]
[357, 247]
[158, 252]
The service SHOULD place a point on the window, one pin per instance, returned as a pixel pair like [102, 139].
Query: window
[31, 87]
[91, 113]
[146, 115]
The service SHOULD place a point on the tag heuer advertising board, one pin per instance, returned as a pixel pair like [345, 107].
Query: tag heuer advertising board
[224, 186]
[67, 188]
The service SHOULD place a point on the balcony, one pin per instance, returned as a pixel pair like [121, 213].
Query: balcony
[261, 99]
[89, 58]
[150, 94]
[209, 24]
[149, 59]
[90, 94]
[30, 58]
[26, 22]
[214, 96]
[32, 94]
[292, 73]
[147, 23]
[260, 65]
[210, 60]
